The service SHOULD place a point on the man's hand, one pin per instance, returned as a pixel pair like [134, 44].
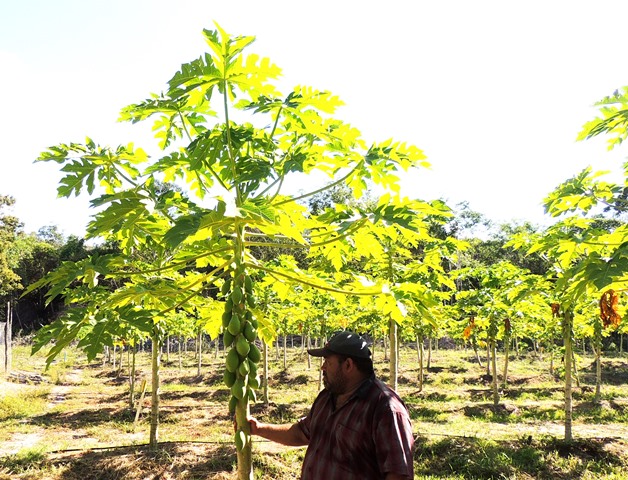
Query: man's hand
[254, 425]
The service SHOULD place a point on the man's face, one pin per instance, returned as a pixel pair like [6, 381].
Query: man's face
[334, 377]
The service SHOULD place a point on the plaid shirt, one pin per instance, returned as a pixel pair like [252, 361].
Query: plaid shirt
[366, 438]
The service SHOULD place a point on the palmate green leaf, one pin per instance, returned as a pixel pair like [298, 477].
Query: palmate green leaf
[104, 329]
[398, 214]
[86, 270]
[389, 305]
[130, 218]
[210, 317]
[90, 163]
[183, 228]
[614, 119]
[201, 74]
[61, 333]
[581, 193]
[604, 271]
[203, 223]
[176, 117]
[303, 98]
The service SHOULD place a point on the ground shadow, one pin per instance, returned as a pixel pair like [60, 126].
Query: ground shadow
[170, 460]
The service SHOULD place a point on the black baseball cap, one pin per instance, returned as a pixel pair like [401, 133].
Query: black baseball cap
[344, 343]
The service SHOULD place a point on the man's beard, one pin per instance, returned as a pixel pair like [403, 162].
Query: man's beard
[337, 385]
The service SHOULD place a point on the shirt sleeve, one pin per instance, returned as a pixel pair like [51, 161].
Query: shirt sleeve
[393, 439]
[304, 425]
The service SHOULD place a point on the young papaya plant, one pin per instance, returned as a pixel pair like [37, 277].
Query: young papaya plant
[231, 142]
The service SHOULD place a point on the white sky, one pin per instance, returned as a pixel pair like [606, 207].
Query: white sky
[494, 92]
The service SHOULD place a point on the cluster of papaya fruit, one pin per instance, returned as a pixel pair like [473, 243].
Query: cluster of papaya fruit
[240, 332]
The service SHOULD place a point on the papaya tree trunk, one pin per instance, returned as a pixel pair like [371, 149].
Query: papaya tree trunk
[429, 353]
[180, 352]
[199, 346]
[394, 365]
[309, 358]
[285, 353]
[419, 347]
[506, 360]
[568, 358]
[576, 375]
[132, 379]
[493, 350]
[477, 354]
[265, 379]
[155, 375]
[598, 366]
[386, 355]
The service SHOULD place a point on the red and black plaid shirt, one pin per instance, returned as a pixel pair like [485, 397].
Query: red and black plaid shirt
[366, 438]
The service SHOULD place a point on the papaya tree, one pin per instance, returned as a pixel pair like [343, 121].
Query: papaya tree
[233, 143]
[588, 257]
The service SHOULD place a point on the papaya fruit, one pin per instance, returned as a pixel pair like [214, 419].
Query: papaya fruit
[248, 285]
[227, 338]
[244, 368]
[242, 346]
[254, 381]
[254, 353]
[236, 295]
[249, 332]
[252, 368]
[233, 403]
[238, 389]
[233, 360]
[226, 317]
[229, 378]
[226, 286]
[250, 300]
[234, 324]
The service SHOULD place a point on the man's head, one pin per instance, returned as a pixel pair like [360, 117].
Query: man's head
[347, 361]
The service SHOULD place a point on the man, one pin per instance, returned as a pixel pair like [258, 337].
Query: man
[358, 428]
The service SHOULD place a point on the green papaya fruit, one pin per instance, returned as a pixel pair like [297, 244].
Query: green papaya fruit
[226, 317]
[252, 368]
[234, 326]
[254, 381]
[248, 285]
[229, 378]
[236, 295]
[233, 403]
[250, 300]
[227, 338]
[233, 360]
[244, 368]
[254, 353]
[238, 389]
[249, 332]
[226, 286]
[243, 346]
